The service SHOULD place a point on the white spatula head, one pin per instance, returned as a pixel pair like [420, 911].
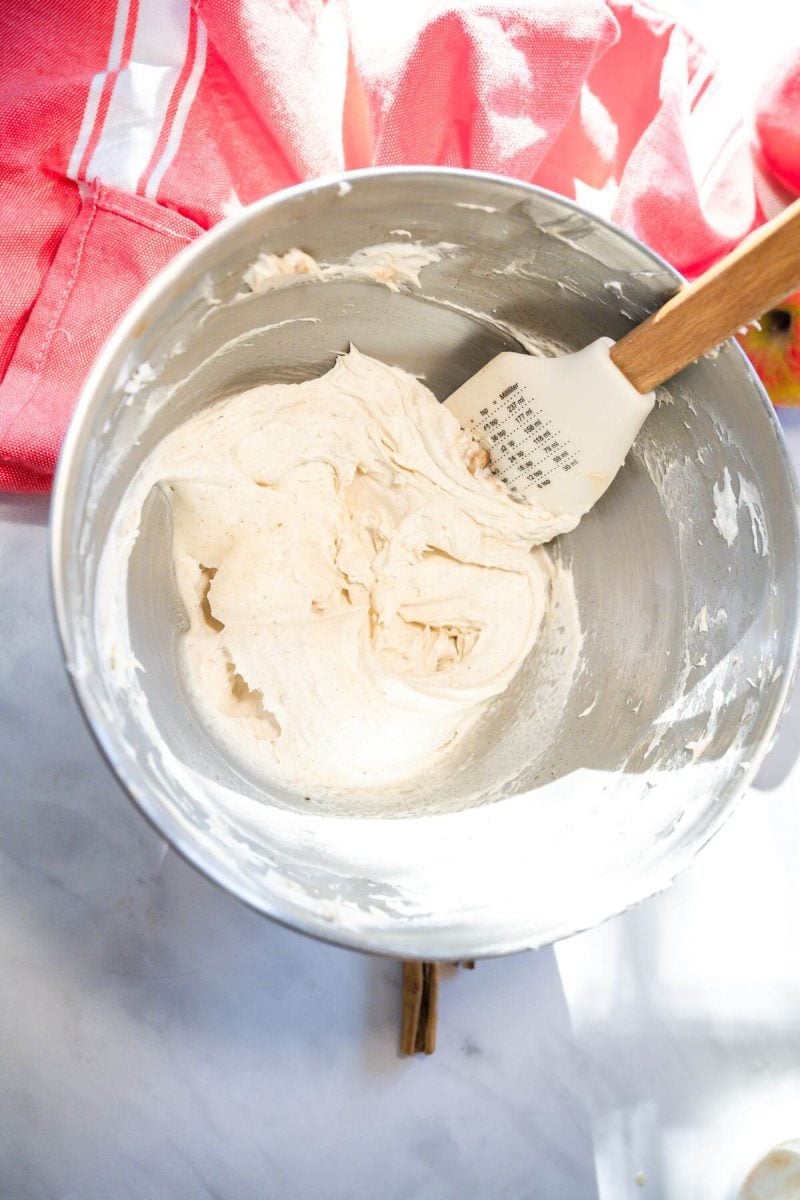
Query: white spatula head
[557, 429]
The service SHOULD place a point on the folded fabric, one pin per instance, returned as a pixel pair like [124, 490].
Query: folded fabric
[778, 123]
[125, 135]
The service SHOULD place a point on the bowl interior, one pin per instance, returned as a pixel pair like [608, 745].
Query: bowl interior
[593, 779]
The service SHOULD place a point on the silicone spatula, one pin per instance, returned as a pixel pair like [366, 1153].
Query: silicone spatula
[558, 429]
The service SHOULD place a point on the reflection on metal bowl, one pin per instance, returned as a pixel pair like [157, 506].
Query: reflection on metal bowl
[689, 627]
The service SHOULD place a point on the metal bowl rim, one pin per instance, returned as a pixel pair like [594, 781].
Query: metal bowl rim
[424, 945]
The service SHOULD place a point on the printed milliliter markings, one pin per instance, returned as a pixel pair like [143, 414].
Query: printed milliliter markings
[524, 446]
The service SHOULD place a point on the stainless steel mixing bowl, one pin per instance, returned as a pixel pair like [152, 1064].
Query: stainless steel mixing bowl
[689, 639]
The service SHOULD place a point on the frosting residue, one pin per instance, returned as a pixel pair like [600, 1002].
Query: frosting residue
[726, 519]
[390, 263]
[726, 511]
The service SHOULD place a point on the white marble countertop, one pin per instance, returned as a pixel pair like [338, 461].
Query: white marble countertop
[158, 1039]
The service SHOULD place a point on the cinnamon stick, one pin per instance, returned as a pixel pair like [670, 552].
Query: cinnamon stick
[420, 1007]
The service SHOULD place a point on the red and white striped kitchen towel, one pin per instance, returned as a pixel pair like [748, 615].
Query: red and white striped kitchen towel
[128, 126]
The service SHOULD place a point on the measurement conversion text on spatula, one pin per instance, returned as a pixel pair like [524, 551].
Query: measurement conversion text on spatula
[557, 429]
[526, 449]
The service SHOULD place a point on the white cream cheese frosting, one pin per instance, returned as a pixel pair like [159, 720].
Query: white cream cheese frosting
[357, 591]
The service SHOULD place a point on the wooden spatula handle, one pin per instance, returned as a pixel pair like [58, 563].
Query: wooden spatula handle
[762, 271]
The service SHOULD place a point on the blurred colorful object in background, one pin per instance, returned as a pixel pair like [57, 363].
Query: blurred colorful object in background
[774, 346]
